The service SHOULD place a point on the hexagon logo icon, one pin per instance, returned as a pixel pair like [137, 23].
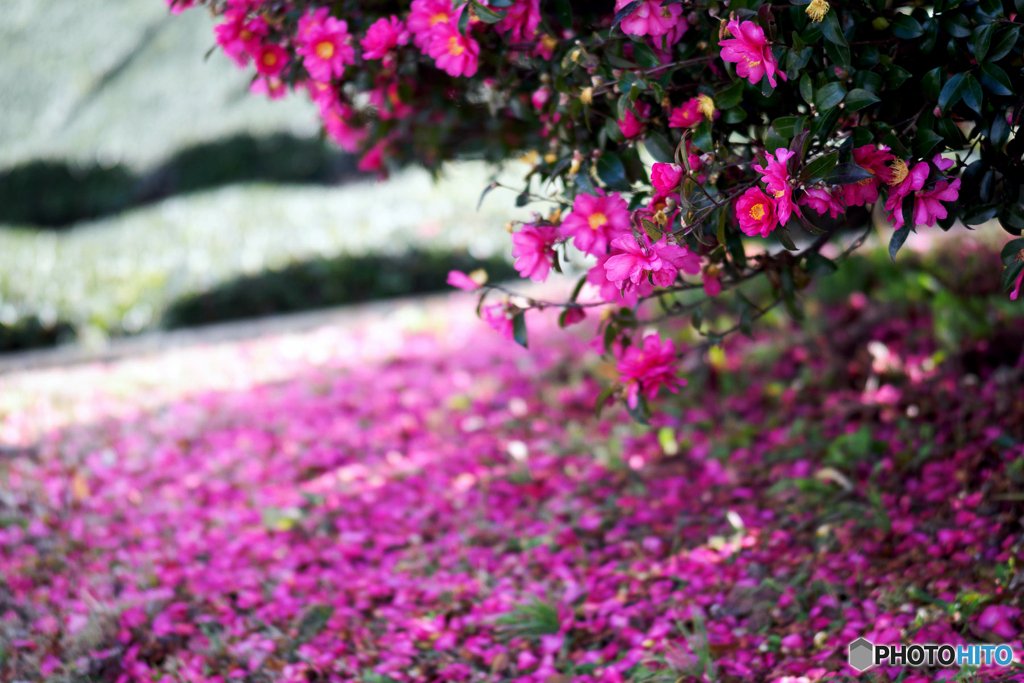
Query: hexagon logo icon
[862, 654]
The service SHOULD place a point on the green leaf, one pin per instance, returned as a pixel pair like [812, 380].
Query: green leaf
[1011, 274]
[785, 126]
[487, 191]
[835, 44]
[847, 174]
[702, 139]
[602, 399]
[829, 95]
[819, 168]
[897, 240]
[486, 14]
[807, 89]
[783, 234]
[951, 92]
[625, 12]
[906, 27]
[972, 94]
[893, 143]
[996, 80]
[563, 10]
[641, 412]
[895, 77]
[931, 82]
[926, 141]
[1011, 250]
[819, 265]
[612, 172]
[645, 57]
[981, 40]
[858, 98]
[659, 148]
[519, 329]
[730, 95]
[1002, 43]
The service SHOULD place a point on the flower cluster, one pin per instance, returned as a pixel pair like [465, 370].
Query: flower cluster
[668, 133]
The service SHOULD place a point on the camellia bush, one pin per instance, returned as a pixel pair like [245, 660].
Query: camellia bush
[683, 147]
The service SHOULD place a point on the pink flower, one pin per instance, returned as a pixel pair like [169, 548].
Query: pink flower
[532, 249]
[388, 102]
[756, 213]
[661, 261]
[909, 181]
[458, 279]
[776, 176]
[499, 317]
[999, 619]
[750, 51]
[455, 54]
[521, 20]
[424, 16]
[1016, 289]
[240, 37]
[650, 18]
[177, 7]
[712, 284]
[686, 116]
[630, 125]
[666, 177]
[326, 49]
[573, 315]
[647, 368]
[373, 160]
[335, 117]
[271, 60]
[823, 202]
[928, 206]
[384, 35]
[610, 292]
[595, 221]
[271, 86]
[875, 161]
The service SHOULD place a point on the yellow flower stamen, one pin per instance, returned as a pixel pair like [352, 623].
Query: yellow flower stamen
[325, 50]
[817, 10]
[438, 18]
[455, 48]
[706, 106]
[899, 172]
[757, 212]
[597, 220]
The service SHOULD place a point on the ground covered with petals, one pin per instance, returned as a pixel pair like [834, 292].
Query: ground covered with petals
[410, 502]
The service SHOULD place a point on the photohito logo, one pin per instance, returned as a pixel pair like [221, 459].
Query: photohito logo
[863, 654]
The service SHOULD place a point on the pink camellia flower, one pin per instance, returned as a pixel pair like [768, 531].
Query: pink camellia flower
[532, 249]
[712, 283]
[271, 86]
[647, 368]
[521, 20]
[388, 103]
[595, 221]
[751, 53]
[499, 317]
[424, 16]
[373, 160]
[876, 161]
[1016, 288]
[573, 315]
[336, 122]
[540, 97]
[902, 182]
[999, 619]
[776, 176]
[661, 261]
[928, 206]
[686, 116]
[326, 49]
[630, 125]
[756, 213]
[651, 18]
[609, 292]
[666, 177]
[823, 201]
[179, 6]
[240, 37]
[271, 60]
[545, 47]
[459, 280]
[455, 54]
[382, 36]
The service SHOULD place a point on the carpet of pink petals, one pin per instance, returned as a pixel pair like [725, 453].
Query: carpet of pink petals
[425, 501]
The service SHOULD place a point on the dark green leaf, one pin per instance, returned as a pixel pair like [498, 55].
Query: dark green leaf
[625, 12]
[847, 174]
[980, 214]
[897, 240]
[951, 92]
[1003, 42]
[702, 137]
[519, 329]
[895, 77]
[730, 95]
[829, 95]
[819, 168]
[486, 14]
[612, 172]
[807, 89]
[1011, 251]
[783, 234]
[958, 25]
[893, 143]
[563, 10]
[906, 27]
[487, 191]
[931, 82]
[858, 98]
[640, 412]
[1011, 274]
[996, 80]
[819, 265]
[659, 148]
[645, 57]
[926, 141]
[981, 40]
[602, 400]
[972, 94]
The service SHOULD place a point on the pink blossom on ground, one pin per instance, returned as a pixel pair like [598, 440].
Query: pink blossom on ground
[521, 20]
[455, 54]
[646, 368]
[595, 221]
[424, 16]
[876, 161]
[651, 18]
[660, 261]
[776, 176]
[532, 247]
[458, 279]
[383, 36]
[823, 201]
[666, 177]
[631, 124]
[326, 49]
[1000, 620]
[271, 60]
[686, 116]
[756, 213]
[751, 53]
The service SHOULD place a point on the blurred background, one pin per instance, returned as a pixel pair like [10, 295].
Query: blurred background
[143, 187]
